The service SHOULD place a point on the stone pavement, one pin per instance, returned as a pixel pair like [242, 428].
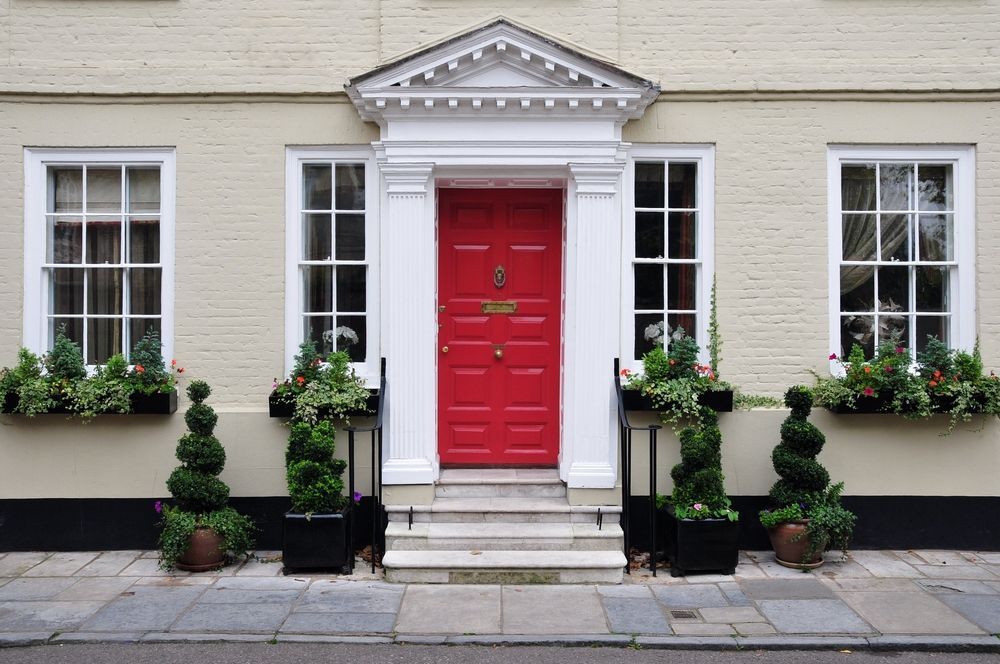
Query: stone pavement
[895, 600]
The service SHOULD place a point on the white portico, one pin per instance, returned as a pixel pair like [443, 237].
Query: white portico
[501, 106]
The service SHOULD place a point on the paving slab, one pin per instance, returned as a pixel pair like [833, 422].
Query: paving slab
[235, 618]
[775, 571]
[262, 583]
[946, 557]
[990, 557]
[983, 610]
[257, 568]
[918, 613]
[552, 610]
[848, 569]
[956, 572]
[62, 564]
[148, 567]
[877, 584]
[5, 579]
[144, 608]
[634, 615]
[30, 616]
[709, 578]
[629, 591]
[800, 588]
[885, 564]
[690, 597]
[813, 616]
[109, 563]
[703, 629]
[215, 595]
[347, 597]
[754, 629]
[19, 562]
[732, 614]
[734, 594]
[97, 588]
[450, 610]
[339, 623]
[20, 590]
[951, 586]
[174, 581]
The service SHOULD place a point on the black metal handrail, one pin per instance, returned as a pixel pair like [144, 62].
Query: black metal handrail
[376, 457]
[625, 448]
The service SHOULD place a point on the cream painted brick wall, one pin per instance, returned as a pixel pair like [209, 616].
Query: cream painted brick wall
[305, 46]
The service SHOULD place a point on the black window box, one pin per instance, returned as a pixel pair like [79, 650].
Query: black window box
[158, 403]
[698, 545]
[278, 406]
[318, 541]
[720, 401]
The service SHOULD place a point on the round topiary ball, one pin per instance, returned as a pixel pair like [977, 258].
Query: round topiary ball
[197, 492]
[201, 419]
[201, 453]
[198, 391]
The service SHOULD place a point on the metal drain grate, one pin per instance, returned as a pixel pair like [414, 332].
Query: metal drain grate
[684, 615]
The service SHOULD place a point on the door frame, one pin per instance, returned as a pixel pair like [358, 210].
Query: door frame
[508, 182]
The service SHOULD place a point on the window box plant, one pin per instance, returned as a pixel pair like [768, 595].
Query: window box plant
[321, 388]
[807, 516]
[700, 529]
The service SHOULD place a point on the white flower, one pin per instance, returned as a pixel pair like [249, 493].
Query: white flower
[349, 336]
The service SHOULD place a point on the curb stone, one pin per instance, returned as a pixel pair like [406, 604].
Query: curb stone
[327, 638]
[982, 644]
[97, 637]
[15, 639]
[688, 642]
[581, 640]
[802, 642]
[167, 637]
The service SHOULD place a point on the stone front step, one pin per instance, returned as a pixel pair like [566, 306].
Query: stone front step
[504, 536]
[503, 510]
[488, 483]
[512, 567]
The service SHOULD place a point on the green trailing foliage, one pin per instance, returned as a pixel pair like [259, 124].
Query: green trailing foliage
[699, 491]
[804, 490]
[314, 477]
[199, 494]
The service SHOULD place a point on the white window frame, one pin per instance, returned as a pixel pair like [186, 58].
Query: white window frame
[36, 281]
[704, 156]
[962, 286]
[294, 303]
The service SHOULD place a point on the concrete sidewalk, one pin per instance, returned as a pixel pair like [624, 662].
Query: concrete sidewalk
[933, 600]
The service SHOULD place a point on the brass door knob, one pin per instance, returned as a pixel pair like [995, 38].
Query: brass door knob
[444, 350]
[498, 351]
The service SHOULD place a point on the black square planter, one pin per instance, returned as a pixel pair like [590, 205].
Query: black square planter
[699, 545]
[319, 541]
[157, 403]
[285, 407]
[864, 406]
[721, 401]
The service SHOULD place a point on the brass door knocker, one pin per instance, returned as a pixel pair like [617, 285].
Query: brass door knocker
[499, 276]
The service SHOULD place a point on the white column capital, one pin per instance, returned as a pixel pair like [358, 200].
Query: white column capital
[406, 179]
[597, 178]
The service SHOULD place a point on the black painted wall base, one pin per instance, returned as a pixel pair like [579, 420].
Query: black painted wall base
[884, 522]
[100, 524]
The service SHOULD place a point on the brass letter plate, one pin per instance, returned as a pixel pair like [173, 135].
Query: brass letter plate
[492, 307]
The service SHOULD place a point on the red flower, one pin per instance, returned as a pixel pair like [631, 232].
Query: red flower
[932, 383]
[833, 356]
[673, 362]
[868, 370]
[937, 373]
[625, 372]
[300, 380]
[140, 369]
[869, 391]
[888, 369]
[180, 369]
[173, 363]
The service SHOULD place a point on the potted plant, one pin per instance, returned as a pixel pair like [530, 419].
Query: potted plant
[200, 532]
[320, 387]
[154, 385]
[701, 529]
[315, 534]
[807, 517]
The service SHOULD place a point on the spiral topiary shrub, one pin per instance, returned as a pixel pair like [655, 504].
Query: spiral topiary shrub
[314, 476]
[698, 481]
[200, 495]
[803, 491]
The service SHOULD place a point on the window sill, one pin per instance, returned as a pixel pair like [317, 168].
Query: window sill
[720, 401]
[159, 403]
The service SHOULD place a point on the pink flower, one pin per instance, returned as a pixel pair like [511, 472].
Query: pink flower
[833, 356]
[888, 369]
[869, 391]
[900, 349]
[697, 507]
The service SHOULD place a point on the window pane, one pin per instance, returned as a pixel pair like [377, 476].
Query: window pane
[648, 332]
[936, 326]
[857, 330]
[683, 227]
[936, 238]
[350, 186]
[319, 329]
[932, 288]
[144, 291]
[104, 189]
[350, 237]
[351, 335]
[858, 237]
[351, 287]
[681, 282]
[649, 189]
[893, 288]
[104, 240]
[143, 189]
[318, 288]
[683, 185]
[894, 327]
[316, 235]
[857, 187]
[144, 240]
[67, 291]
[104, 339]
[857, 288]
[66, 189]
[73, 328]
[648, 287]
[65, 240]
[317, 186]
[140, 327]
[895, 237]
[935, 187]
[896, 182]
[678, 322]
[104, 291]
[649, 235]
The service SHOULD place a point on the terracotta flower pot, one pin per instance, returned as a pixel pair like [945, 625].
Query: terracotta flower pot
[790, 542]
[204, 552]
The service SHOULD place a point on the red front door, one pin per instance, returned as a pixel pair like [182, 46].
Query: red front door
[499, 297]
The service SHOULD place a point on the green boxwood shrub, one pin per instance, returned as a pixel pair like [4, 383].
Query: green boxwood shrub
[314, 476]
[699, 491]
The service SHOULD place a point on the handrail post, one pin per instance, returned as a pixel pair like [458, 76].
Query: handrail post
[350, 499]
[652, 500]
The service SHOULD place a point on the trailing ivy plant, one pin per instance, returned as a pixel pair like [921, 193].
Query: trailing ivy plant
[200, 495]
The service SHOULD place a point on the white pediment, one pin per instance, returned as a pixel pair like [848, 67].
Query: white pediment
[500, 68]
